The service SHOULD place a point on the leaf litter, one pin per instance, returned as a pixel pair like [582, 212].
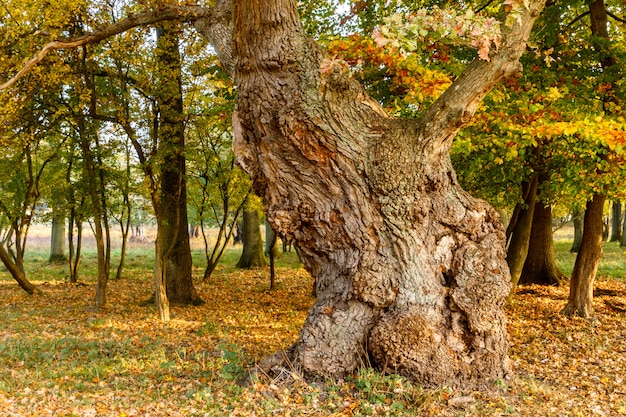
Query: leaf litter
[59, 357]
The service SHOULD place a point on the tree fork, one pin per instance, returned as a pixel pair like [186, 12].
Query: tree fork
[409, 268]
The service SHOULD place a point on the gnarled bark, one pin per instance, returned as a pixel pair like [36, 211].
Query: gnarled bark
[409, 268]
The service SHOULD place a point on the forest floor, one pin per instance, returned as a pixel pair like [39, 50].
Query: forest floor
[59, 357]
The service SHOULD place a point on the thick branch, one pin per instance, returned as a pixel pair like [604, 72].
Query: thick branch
[165, 12]
[457, 105]
[218, 30]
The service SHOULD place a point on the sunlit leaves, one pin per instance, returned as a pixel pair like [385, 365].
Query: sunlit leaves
[399, 81]
[435, 25]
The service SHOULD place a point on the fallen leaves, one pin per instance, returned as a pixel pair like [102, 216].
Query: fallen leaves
[58, 357]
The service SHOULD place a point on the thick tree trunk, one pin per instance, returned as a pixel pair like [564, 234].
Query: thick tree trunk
[578, 217]
[409, 268]
[252, 255]
[172, 221]
[519, 234]
[57, 239]
[540, 265]
[580, 300]
[616, 222]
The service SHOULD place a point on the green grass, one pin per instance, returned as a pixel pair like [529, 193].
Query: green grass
[612, 265]
[56, 351]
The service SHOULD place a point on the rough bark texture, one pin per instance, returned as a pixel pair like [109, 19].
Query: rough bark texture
[252, 255]
[175, 250]
[540, 265]
[580, 300]
[409, 268]
[520, 232]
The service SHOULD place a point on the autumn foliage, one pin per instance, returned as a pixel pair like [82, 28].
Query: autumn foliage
[60, 357]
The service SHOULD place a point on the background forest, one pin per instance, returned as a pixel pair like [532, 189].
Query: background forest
[149, 283]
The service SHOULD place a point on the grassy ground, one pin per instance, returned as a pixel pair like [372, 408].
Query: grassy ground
[58, 357]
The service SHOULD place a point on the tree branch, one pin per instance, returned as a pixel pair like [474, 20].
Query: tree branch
[615, 17]
[218, 30]
[456, 106]
[579, 17]
[165, 12]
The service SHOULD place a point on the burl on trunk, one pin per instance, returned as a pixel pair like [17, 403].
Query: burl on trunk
[410, 269]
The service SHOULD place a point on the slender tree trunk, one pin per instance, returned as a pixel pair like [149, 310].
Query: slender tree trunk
[410, 270]
[125, 215]
[616, 222]
[161, 300]
[125, 228]
[99, 223]
[580, 300]
[521, 231]
[271, 241]
[578, 217]
[57, 238]
[623, 240]
[172, 221]
[272, 254]
[226, 231]
[74, 260]
[252, 255]
[540, 265]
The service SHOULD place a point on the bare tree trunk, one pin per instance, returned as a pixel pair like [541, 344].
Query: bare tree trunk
[580, 300]
[623, 240]
[271, 241]
[160, 290]
[578, 217]
[520, 231]
[540, 265]
[125, 215]
[616, 221]
[252, 255]
[57, 238]
[125, 228]
[94, 174]
[410, 269]
[272, 254]
[173, 192]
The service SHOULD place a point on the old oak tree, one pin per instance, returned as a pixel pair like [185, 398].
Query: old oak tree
[410, 269]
